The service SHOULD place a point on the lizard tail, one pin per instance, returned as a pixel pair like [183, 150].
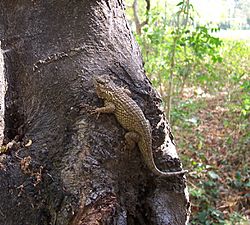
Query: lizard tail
[149, 160]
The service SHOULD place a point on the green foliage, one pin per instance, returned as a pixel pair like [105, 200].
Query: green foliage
[202, 43]
[181, 49]
[245, 99]
[234, 74]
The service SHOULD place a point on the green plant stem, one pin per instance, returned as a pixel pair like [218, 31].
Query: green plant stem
[177, 35]
[170, 84]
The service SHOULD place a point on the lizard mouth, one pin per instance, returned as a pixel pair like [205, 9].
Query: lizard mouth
[102, 78]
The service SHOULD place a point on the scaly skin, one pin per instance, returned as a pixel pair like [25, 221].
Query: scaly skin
[131, 118]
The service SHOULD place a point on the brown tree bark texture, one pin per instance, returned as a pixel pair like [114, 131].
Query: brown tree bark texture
[76, 170]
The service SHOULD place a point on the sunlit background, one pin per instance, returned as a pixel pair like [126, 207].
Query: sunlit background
[231, 16]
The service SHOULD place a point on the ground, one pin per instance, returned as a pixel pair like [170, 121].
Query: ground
[213, 141]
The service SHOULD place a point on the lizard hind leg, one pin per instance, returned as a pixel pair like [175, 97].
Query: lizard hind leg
[131, 139]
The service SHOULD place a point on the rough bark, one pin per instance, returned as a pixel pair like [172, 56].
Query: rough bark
[76, 170]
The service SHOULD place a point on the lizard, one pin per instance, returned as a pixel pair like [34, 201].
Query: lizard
[117, 100]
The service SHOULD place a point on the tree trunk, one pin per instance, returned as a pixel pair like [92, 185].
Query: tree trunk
[64, 166]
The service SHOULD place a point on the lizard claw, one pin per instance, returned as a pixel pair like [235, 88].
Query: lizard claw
[96, 111]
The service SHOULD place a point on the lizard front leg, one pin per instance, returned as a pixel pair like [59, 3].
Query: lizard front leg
[108, 108]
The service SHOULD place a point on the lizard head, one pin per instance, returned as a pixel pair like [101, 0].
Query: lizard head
[104, 87]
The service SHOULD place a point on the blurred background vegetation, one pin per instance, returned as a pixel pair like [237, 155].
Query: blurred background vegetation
[197, 55]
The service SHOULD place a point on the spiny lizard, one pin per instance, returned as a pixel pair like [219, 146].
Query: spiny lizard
[118, 101]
